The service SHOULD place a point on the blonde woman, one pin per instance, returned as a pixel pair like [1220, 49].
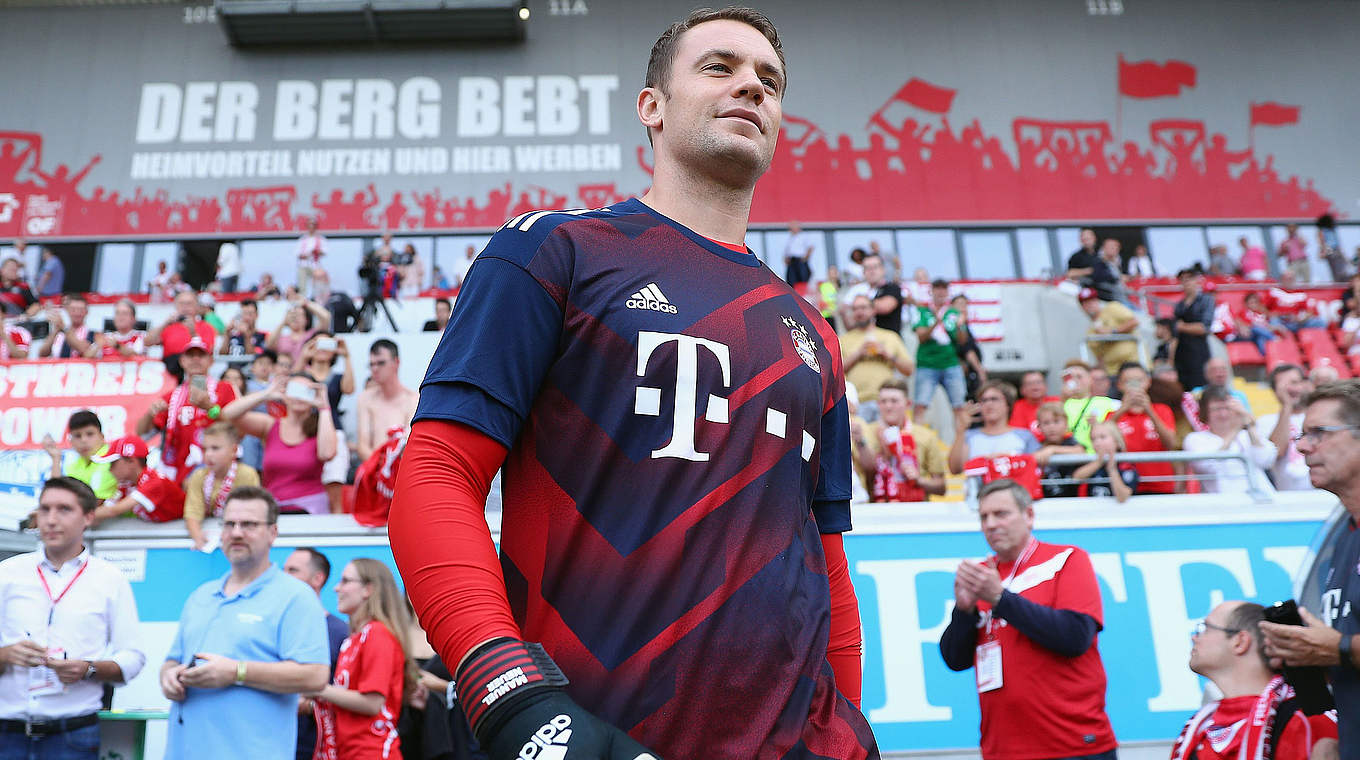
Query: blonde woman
[1105, 477]
[356, 715]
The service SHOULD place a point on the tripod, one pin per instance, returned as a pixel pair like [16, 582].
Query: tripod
[373, 300]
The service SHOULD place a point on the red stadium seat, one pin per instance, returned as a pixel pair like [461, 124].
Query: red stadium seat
[1243, 353]
[1309, 336]
[1282, 351]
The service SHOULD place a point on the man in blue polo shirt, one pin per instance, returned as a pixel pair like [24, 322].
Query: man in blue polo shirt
[247, 645]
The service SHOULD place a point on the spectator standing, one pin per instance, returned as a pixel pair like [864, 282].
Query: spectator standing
[86, 434]
[16, 297]
[1330, 444]
[185, 410]
[1220, 263]
[1289, 471]
[357, 713]
[1194, 314]
[970, 353]
[243, 338]
[141, 490]
[1083, 406]
[1106, 477]
[1229, 650]
[1145, 426]
[443, 309]
[937, 327]
[1033, 394]
[229, 266]
[159, 285]
[311, 247]
[314, 569]
[318, 361]
[1081, 265]
[247, 645]
[797, 253]
[69, 337]
[1106, 278]
[412, 271]
[1232, 429]
[1110, 318]
[207, 489]
[898, 459]
[995, 437]
[303, 320]
[125, 340]
[1140, 266]
[1042, 632]
[871, 355]
[71, 623]
[387, 403]
[887, 294]
[461, 266]
[1293, 253]
[296, 445]
[51, 275]
[1252, 264]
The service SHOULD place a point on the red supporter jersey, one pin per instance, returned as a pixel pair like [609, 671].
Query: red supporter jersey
[1253, 317]
[1223, 325]
[21, 337]
[371, 661]
[1048, 705]
[133, 339]
[1018, 467]
[182, 450]
[1286, 301]
[1023, 415]
[1141, 435]
[1222, 736]
[376, 480]
[176, 336]
[156, 498]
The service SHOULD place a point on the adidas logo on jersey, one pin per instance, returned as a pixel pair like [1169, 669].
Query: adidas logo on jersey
[650, 298]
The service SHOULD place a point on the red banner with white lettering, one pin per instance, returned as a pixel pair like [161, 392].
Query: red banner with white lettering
[37, 398]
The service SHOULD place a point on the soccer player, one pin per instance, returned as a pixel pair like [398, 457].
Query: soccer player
[672, 424]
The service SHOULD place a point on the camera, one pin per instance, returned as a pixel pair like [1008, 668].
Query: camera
[1310, 683]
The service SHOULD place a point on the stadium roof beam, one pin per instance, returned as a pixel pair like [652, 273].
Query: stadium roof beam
[290, 22]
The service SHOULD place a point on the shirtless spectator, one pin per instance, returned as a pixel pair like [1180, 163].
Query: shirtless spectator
[125, 340]
[69, 336]
[386, 403]
[183, 326]
[1291, 309]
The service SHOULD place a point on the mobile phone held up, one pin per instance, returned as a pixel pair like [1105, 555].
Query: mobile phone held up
[299, 389]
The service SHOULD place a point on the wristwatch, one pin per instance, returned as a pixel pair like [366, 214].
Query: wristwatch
[1344, 648]
[91, 671]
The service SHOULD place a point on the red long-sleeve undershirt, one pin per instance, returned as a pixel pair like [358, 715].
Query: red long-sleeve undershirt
[443, 547]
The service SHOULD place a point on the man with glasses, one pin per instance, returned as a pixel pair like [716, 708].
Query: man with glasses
[1329, 441]
[386, 403]
[248, 643]
[1257, 710]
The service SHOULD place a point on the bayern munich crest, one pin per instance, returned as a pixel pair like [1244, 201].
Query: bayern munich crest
[802, 343]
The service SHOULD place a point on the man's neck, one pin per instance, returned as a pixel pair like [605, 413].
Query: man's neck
[59, 556]
[708, 207]
[244, 574]
[1237, 684]
[391, 389]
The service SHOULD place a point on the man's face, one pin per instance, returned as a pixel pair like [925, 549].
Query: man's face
[1190, 285]
[299, 565]
[1004, 525]
[249, 313]
[719, 110]
[218, 451]
[1053, 427]
[77, 309]
[382, 365]
[1088, 239]
[61, 521]
[1100, 382]
[9, 270]
[1212, 651]
[124, 318]
[441, 312]
[1216, 372]
[993, 404]
[186, 304]
[873, 271]
[261, 368]
[1033, 386]
[892, 406]
[250, 536]
[861, 313]
[471, 252]
[939, 296]
[87, 440]
[1110, 249]
[195, 361]
[1334, 459]
[1291, 385]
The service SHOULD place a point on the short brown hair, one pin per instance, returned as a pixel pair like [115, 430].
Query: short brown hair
[222, 427]
[1020, 494]
[1077, 363]
[1345, 392]
[1006, 390]
[1247, 618]
[84, 495]
[1054, 408]
[248, 493]
[895, 384]
[663, 51]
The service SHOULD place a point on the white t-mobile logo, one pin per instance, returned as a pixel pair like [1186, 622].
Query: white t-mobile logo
[648, 399]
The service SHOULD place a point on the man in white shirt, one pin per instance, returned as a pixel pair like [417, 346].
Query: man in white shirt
[461, 267]
[310, 248]
[1289, 471]
[797, 257]
[69, 625]
[229, 266]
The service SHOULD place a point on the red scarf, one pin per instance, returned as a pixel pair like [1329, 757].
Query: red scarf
[893, 460]
[218, 502]
[1251, 740]
[181, 425]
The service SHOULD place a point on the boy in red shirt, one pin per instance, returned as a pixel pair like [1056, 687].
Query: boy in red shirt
[141, 490]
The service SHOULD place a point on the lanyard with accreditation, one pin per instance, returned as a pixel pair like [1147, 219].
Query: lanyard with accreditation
[42, 680]
[988, 664]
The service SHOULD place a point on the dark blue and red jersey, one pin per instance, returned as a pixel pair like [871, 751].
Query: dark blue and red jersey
[677, 433]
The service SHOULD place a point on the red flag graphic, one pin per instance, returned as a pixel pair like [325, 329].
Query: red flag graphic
[1149, 79]
[926, 96]
[1273, 114]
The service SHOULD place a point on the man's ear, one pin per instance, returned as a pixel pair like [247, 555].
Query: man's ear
[651, 103]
